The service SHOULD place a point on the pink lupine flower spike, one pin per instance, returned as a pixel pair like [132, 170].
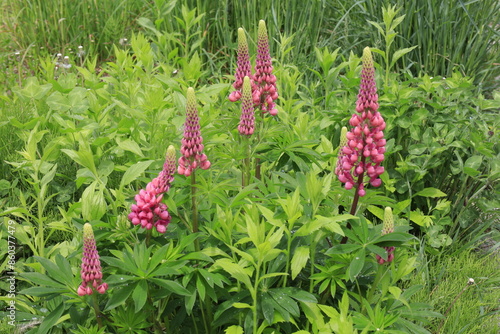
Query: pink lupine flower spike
[365, 146]
[243, 68]
[266, 92]
[91, 272]
[247, 120]
[192, 143]
[149, 211]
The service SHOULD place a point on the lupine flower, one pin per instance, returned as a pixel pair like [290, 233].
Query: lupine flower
[266, 93]
[243, 68]
[365, 146]
[91, 272]
[247, 120]
[192, 143]
[149, 211]
[388, 228]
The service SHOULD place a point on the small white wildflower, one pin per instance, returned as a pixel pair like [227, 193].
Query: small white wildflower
[471, 281]
[66, 64]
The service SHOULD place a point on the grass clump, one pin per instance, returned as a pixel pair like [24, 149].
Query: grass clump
[463, 288]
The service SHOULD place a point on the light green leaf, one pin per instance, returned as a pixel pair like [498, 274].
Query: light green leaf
[133, 172]
[299, 260]
[93, 203]
[395, 291]
[400, 53]
[430, 192]
[130, 145]
[472, 165]
[242, 305]
[236, 271]
[58, 102]
[234, 330]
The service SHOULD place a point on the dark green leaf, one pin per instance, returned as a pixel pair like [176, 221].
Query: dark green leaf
[119, 296]
[51, 319]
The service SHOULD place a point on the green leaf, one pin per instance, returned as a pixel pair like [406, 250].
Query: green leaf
[53, 270]
[357, 264]
[299, 260]
[300, 295]
[472, 165]
[58, 102]
[43, 292]
[93, 203]
[172, 286]
[139, 295]
[133, 172]
[51, 319]
[377, 250]
[118, 297]
[84, 157]
[47, 178]
[430, 192]
[41, 279]
[330, 223]
[236, 271]
[130, 145]
[234, 330]
[242, 305]
[342, 249]
[390, 238]
[400, 53]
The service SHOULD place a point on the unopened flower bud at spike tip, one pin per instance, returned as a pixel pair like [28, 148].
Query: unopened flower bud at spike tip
[388, 221]
[387, 228]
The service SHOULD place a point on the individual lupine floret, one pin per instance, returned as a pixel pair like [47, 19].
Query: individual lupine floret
[365, 146]
[243, 68]
[386, 229]
[91, 272]
[247, 120]
[149, 211]
[265, 93]
[192, 142]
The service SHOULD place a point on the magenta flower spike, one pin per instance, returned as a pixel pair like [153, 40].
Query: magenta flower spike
[265, 93]
[247, 120]
[91, 272]
[149, 211]
[365, 146]
[192, 143]
[388, 228]
[243, 68]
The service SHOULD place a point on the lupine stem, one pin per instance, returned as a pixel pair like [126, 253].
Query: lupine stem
[97, 311]
[355, 200]
[194, 209]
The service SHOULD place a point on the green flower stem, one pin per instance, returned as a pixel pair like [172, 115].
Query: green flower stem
[354, 205]
[288, 251]
[97, 311]
[245, 173]
[381, 271]
[194, 209]
[254, 297]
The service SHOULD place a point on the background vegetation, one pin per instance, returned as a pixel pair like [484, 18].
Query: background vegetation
[80, 137]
